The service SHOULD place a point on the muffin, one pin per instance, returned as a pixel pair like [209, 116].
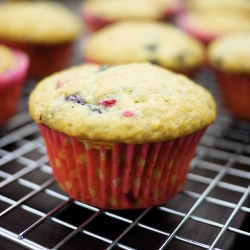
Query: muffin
[100, 13]
[44, 30]
[121, 137]
[146, 41]
[224, 5]
[229, 56]
[13, 69]
[206, 25]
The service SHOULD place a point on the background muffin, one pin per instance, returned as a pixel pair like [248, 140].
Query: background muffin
[44, 30]
[225, 5]
[145, 41]
[13, 69]
[206, 25]
[100, 13]
[229, 56]
[121, 137]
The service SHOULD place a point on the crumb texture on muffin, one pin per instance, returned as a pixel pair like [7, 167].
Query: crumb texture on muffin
[231, 53]
[7, 59]
[39, 21]
[133, 103]
[141, 41]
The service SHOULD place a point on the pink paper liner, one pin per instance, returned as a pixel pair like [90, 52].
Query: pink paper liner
[119, 176]
[94, 23]
[184, 21]
[235, 92]
[45, 59]
[11, 84]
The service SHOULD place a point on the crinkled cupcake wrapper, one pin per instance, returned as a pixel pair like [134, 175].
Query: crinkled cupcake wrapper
[11, 84]
[235, 93]
[45, 59]
[118, 175]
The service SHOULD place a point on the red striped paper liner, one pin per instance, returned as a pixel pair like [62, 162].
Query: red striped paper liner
[235, 93]
[119, 175]
[185, 22]
[11, 84]
[45, 59]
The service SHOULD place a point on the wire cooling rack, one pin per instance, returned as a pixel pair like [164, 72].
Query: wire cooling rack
[211, 212]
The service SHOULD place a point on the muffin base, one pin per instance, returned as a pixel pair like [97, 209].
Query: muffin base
[11, 84]
[235, 93]
[45, 59]
[118, 175]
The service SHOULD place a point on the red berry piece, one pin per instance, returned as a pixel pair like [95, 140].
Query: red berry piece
[107, 103]
[59, 84]
[128, 113]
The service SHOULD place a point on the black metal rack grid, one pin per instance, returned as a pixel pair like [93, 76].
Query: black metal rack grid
[211, 212]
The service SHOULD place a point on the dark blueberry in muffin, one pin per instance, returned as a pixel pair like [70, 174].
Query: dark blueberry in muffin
[95, 108]
[103, 68]
[76, 98]
[155, 62]
[180, 59]
[152, 47]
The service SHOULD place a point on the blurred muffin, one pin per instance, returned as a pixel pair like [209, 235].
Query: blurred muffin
[44, 30]
[229, 56]
[145, 41]
[100, 13]
[13, 69]
[121, 137]
[224, 5]
[209, 24]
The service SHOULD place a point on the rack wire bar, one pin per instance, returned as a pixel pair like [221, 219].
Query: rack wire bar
[198, 202]
[243, 198]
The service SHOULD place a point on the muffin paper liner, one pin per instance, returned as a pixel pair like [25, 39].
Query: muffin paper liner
[94, 23]
[118, 175]
[190, 28]
[45, 59]
[11, 84]
[235, 93]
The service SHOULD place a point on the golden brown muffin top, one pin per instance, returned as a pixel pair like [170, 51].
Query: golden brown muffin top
[133, 103]
[235, 5]
[128, 9]
[38, 22]
[231, 53]
[217, 22]
[7, 59]
[143, 41]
